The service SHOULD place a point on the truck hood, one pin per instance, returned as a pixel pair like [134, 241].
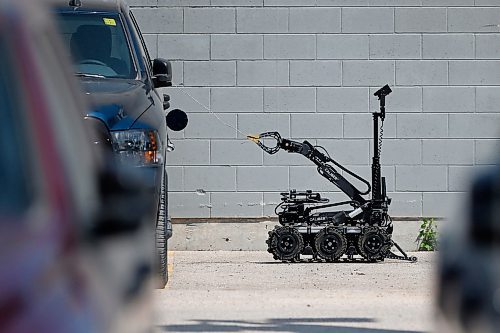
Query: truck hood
[117, 102]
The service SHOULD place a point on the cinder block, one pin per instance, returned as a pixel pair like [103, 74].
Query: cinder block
[400, 152]
[475, 125]
[289, 46]
[210, 73]
[475, 72]
[421, 178]
[422, 126]
[405, 204]
[151, 44]
[342, 99]
[184, 47]
[159, 20]
[487, 46]
[488, 99]
[473, 19]
[238, 204]
[183, 3]
[209, 20]
[488, 151]
[402, 99]
[448, 46]
[262, 20]
[395, 3]
[449, 99]
[427, 72]
[264, 122]
[260, 179]
[307, 178]
[367, 73]
[343, 46]
[315, 73]
[395, 47]
[443, 204]
[290, 3]
[271, 200]
[175, 178]
[447, 3]
[206, 125]
[238, 3]
[139, 3]
[314, 20]
[179, 98]
[177, 72]
[235, 152]
[210, 178]
[448, 152]
[236, 99]
[420, 20]
[460, 177]
[226, 47]
[367, 20]
[341, 3]
[189, 152]
[348, 152]
[489, 3]
[289, 99]
[365, 172]
[263, 73]
[316, 126]
[360, 126]
[188, 204]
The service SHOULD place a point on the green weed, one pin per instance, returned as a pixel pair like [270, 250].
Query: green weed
[427, 236]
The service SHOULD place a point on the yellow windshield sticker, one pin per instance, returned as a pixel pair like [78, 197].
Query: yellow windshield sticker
[109, 21]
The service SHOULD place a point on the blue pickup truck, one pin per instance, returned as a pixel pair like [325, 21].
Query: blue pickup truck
[128, 111]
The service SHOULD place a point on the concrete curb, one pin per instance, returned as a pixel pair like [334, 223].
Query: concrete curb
[251, 236]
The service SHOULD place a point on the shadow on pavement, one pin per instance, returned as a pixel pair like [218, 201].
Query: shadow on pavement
[296, 325]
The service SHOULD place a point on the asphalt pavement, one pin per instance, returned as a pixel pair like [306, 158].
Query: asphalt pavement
[245, 291]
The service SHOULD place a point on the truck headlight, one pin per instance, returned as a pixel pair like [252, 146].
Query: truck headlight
[138, 147]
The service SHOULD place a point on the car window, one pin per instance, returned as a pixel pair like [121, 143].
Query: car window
[98, 44]
[15, 191]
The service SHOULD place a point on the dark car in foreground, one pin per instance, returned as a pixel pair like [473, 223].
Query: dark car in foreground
[66, 259]
[115, 70]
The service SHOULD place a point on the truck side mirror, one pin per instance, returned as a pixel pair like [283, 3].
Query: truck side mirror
[162, 73]
[177, 120]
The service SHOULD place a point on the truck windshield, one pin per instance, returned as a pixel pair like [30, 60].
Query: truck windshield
[98, 44]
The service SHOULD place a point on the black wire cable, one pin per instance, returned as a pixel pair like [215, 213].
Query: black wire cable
[278, 206]
[379, 149]
[380, 138]
[326, 151]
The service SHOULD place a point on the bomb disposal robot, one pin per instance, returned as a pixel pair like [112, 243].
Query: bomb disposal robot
[307, 228]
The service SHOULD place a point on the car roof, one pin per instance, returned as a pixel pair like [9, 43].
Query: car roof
[93, 5]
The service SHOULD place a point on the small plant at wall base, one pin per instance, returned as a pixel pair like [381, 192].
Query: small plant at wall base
[427, 236]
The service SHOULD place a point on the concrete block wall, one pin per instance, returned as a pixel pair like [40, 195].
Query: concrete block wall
[308, 69]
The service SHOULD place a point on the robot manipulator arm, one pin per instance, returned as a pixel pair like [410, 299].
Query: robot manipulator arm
[313, 154]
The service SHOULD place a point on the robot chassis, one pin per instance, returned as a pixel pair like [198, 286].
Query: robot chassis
[306, 229]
